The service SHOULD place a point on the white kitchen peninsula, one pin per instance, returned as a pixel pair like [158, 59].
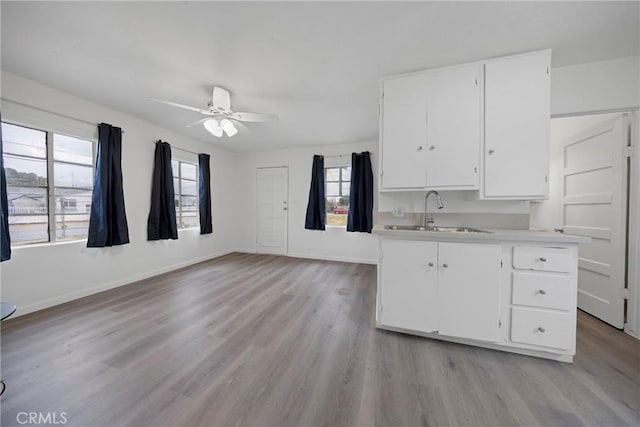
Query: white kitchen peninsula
[509, 290]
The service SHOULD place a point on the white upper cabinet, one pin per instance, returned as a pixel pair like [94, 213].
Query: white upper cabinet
[453, 127]
[481, 126]
[403, 131]
[430, 129]
[517, 119]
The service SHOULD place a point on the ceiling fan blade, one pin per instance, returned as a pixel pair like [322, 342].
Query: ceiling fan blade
[241, 127]
[175, 104]
[197, 122]
[221, 99]
[254, 117]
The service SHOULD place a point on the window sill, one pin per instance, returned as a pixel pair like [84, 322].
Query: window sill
[46, 244]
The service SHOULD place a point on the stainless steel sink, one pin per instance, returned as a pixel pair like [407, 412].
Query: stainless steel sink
[436, 228]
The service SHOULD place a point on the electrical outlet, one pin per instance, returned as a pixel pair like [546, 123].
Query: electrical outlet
[398, 212]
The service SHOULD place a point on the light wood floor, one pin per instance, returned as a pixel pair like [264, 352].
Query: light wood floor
[272, 341]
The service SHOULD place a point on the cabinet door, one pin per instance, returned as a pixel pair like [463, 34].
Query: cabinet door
[469, 290]
[453, 127]
[409, 285]
[517, 118]
[404, 132]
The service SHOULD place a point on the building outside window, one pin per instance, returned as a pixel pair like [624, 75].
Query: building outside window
[47, 169]
[337, 187]
[185, 187]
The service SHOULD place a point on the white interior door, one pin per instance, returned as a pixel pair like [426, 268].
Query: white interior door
[594, 200]
[272, 205]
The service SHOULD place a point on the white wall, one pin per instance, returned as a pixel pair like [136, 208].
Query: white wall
[596, 86]
[42, 275]
[335, 243]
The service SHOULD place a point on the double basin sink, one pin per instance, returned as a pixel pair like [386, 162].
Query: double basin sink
[435, 228]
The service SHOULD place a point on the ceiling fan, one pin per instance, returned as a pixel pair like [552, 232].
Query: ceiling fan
[220, 117]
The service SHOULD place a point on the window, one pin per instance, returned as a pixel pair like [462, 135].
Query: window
[337, 186]
[185, 187]
[47, 169]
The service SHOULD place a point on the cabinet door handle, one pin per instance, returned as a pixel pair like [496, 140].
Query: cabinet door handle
[419, 148]
[432, 148]
[542, 292]
[445, 265]
[430, 264]
[541, 329]
[491, 152]
[543, 259]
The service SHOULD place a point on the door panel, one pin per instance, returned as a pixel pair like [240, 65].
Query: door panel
[453, 127]
[271, 200]
[404, 134]
[594, 201]
[409, 285]
[469, 290]
[517, 114]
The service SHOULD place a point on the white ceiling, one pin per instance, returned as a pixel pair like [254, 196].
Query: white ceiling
[316, 65]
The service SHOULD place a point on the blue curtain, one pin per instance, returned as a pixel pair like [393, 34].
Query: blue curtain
[360, 216]
[316, 212]
[5, 238]
[108, 220]
[204, 194]
[161, 223]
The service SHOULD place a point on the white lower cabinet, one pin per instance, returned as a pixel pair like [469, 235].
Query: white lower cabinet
[518, 297]
[409, 272]
[446, 288]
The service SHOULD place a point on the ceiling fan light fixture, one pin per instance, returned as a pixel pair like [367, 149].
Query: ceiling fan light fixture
[228, 127]
[213, 127]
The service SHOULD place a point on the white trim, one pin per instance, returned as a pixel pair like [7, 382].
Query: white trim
[115, 284]
[333, 258]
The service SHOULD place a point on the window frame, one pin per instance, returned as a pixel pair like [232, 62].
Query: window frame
[340, 182]
[179, 195]
[50, 188]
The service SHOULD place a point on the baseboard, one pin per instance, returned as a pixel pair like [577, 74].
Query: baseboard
[333, 258]
[115, 284]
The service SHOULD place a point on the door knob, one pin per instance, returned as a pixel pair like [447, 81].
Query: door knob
[491, 151]
[430, 264]
[543, 259]
[284, 209]
[445, 265]
[542, 292]
[432, 148]
[541, 329]
[419, 148]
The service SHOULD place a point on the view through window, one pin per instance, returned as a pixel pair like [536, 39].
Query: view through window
[185, 187]
[38, 177]
[337, 186]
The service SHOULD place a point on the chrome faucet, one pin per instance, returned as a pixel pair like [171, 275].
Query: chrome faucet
[425, 218]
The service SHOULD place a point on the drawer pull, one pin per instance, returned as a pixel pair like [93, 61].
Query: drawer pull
[542, 292]
[543, 259]
[541, 329]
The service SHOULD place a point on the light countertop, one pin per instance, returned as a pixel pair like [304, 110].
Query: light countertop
[492, 235]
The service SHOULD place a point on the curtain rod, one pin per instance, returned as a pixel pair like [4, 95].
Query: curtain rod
[53, 112]
[337, 155]
[177, 148]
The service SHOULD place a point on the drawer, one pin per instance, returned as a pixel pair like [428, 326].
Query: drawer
[541, 290]
[543, 328]
[544, 259]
